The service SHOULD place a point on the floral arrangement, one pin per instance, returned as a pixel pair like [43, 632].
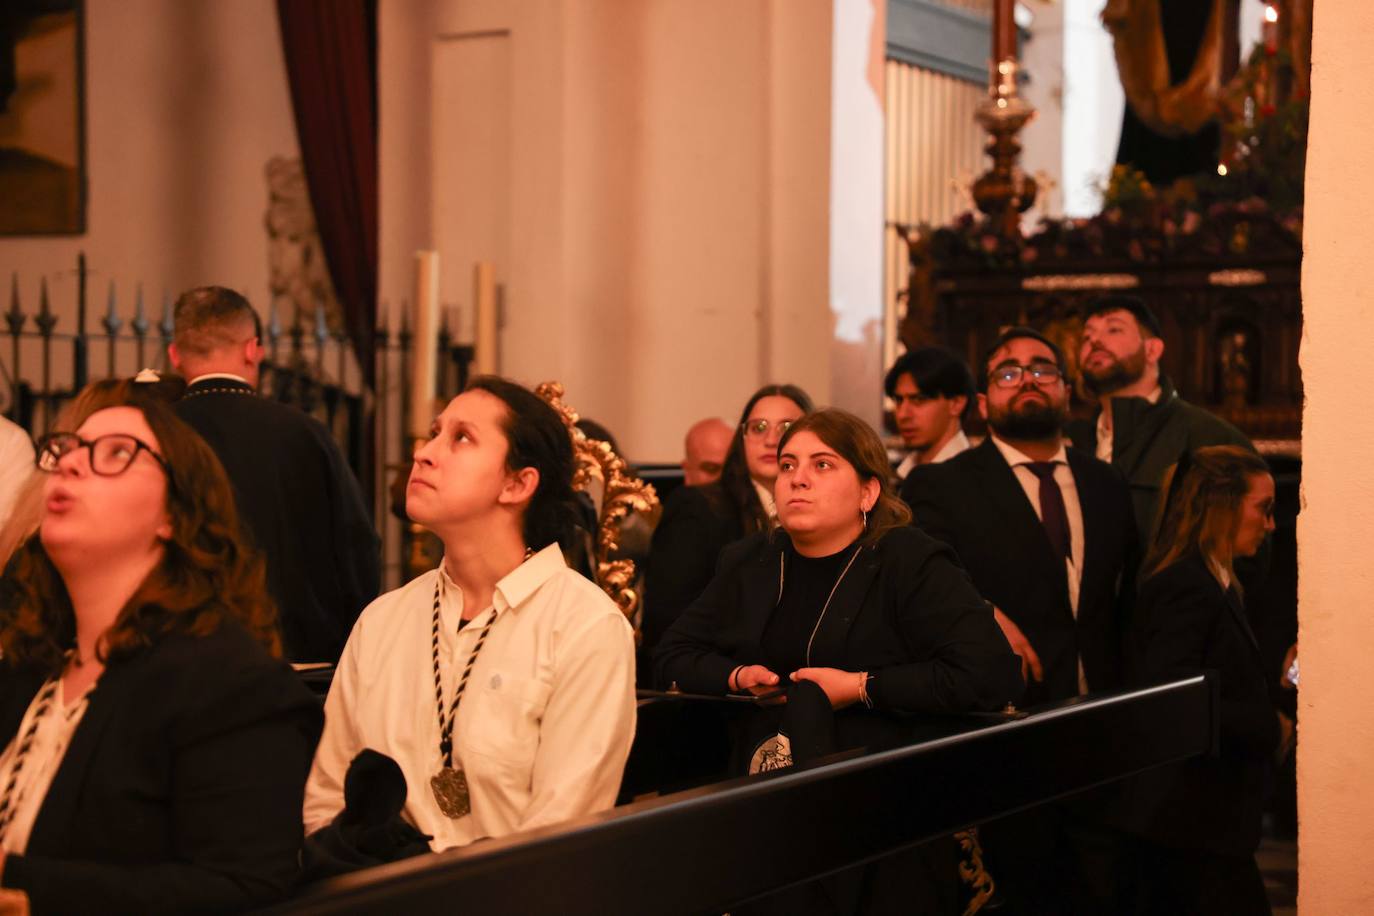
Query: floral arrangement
[1251, 208]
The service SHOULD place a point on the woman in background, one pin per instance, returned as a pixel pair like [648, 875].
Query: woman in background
[155, 746]
[698, 521]
[1198, 822]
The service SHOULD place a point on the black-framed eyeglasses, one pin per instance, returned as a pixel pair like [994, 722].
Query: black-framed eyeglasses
[1010, 375]
[110, 455]
[760, 428]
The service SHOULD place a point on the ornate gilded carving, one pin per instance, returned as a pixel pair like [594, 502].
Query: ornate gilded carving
[972, 871]
[622, 494]
[299, 278]
[1054, 282]
[1004, 191]
[1237, 278]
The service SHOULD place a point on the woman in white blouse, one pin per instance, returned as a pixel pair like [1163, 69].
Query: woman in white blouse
[155, 745]
[502, 683]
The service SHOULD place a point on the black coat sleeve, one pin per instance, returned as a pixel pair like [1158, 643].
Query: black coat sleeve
[962, 662]
[922, 491]
[682, 558]
[356, 546]
[699, 650]
[1180, 616]
[240, 742]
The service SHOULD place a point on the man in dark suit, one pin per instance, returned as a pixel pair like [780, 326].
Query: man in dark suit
[296, 495]
[1047, 536]
[1045, 531]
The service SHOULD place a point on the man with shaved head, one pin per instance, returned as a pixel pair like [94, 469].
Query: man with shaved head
[296, 495]
[706, 445]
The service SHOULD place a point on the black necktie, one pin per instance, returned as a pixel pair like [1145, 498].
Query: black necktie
[1052, 513]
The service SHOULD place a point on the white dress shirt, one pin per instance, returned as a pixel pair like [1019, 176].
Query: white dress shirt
[16, 465]
[544, 727]
[957, 443]
[1063, 475]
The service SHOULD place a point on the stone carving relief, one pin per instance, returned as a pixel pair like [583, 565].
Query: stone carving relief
[299, 276]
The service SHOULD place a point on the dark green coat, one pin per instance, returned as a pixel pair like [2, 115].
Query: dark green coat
[1149, 438]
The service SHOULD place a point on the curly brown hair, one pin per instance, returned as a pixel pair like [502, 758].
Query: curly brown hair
[208, 573]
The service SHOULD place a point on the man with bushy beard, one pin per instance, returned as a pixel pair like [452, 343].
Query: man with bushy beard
[1142, 426]
[1019, 510]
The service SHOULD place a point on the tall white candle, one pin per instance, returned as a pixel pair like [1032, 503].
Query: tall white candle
[487, 355]
[424, 354]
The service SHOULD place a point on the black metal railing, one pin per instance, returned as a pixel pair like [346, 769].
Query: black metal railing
[48, 354]
[706, 850]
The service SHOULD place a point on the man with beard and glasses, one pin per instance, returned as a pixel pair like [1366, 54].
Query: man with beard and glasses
[1045, 533]
[1142, 426]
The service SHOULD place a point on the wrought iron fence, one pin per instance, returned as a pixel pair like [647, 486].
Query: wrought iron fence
[47, 355]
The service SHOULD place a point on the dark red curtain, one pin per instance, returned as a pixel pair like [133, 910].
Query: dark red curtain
[331, 63]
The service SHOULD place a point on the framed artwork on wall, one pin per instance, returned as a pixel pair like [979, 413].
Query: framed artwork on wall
[42, 117]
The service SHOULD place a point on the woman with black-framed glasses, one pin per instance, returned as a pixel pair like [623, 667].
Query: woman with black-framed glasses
[698, 521]
[155, 746]
[108, 456]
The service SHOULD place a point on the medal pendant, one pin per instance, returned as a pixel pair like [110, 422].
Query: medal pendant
[451, 792]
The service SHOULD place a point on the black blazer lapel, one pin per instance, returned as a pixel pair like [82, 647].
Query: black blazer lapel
[55, 816]
[1237, 610]
[1144, 421]
[1098, 532]
[20, 687]
[759, 593]
[846, 601]
[1003, 490]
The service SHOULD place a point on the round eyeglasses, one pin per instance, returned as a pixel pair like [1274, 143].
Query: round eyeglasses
[110, 455]
[759, 428]
[1010, 375]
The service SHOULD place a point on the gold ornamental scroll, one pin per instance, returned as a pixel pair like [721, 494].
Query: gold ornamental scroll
[622, 494]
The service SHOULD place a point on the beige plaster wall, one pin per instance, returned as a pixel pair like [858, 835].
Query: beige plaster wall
[1336, 582]
[186, 102]
[1042, 140]
[669, 197]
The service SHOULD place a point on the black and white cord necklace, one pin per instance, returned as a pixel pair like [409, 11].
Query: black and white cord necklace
[450, 784]
[10, 800]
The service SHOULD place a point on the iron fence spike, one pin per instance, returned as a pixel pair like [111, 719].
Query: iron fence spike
[140, 322]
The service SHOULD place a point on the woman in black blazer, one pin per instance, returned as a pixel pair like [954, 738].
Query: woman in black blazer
[844, 596]
[866, 622]
[699, 521]
[155, 746]
[1198, 822]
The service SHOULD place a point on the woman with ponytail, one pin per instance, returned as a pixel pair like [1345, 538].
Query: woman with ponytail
[502, 682]
[1198, 822]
